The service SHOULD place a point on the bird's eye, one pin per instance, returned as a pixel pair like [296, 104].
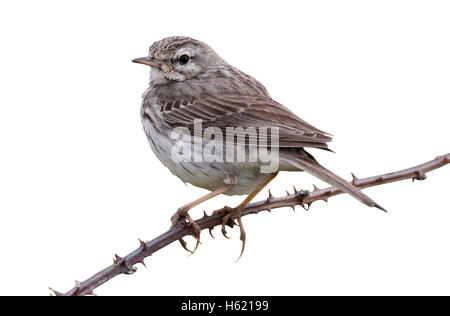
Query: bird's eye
[184, 59]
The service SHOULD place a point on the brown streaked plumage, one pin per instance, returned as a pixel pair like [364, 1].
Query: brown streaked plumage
[190, 81]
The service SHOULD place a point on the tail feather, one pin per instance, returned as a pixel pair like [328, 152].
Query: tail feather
[304, 161]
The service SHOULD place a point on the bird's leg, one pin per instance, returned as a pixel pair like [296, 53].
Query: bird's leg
[182, 212]
[235, 213]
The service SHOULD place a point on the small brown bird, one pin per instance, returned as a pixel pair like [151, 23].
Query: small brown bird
[189, 82]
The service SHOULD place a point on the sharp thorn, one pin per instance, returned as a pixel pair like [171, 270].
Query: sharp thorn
[270, 196]
[380, 207]
[143, 244]
[56, 292]
[295, 190]
[91, 293]
[117, 259]
[354, 179]
[143, 263]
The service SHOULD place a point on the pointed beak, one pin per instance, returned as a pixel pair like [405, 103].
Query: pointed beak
[149, 61]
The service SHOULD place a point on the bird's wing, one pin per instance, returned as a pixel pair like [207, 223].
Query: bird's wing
[244, 111]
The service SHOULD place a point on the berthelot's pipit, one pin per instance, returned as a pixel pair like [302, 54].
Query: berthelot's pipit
[188, 82]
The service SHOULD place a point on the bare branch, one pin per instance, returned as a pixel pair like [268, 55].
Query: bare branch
[126, 264]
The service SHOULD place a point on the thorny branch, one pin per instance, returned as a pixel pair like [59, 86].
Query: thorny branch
[126, 264]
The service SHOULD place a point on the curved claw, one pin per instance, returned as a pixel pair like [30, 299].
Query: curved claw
[197, 238]
[183, 214]
[196, 247]
[243, 237]
[234, 214]
[224, 222]
[184, 245]
[210, 232]
[224, 232]
[242, 251]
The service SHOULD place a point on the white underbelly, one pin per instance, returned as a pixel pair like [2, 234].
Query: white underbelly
[207, 175]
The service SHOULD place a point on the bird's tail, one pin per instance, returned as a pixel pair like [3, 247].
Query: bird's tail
[304, 161]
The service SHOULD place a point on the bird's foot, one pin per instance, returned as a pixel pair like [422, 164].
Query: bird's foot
[232, 214]
[225, 210]
[182, 214]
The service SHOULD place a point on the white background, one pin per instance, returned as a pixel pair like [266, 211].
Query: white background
[78, 181]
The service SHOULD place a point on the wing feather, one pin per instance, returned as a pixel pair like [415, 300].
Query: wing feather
[244, 111]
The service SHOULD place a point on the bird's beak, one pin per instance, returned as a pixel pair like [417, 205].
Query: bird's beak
[153, 62]
[149, 61]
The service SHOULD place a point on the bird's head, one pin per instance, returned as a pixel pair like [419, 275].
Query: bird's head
[178, 59]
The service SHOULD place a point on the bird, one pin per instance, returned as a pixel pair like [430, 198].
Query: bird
[189, 82]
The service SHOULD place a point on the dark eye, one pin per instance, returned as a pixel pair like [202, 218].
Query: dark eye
[183, 59]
